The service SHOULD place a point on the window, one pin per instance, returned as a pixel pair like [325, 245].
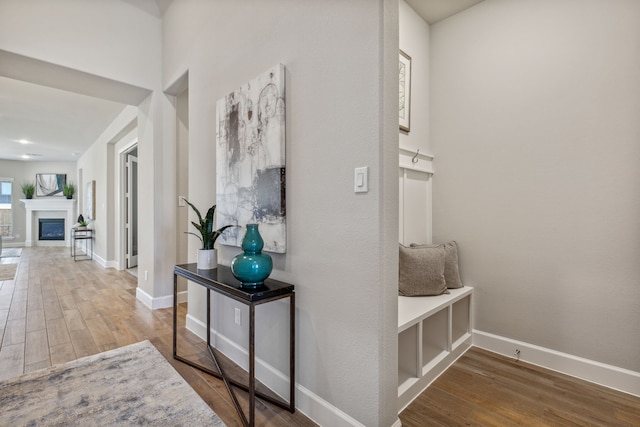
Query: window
[6, 211]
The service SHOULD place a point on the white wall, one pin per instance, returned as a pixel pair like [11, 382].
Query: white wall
[342, 247]
[535, 130]
[414, 41]
[26, 172]
[108, 38]
[414, 183]
[120, 42]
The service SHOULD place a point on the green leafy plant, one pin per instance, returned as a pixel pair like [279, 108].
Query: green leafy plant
[83, 223]
[208, 235]
[28, 189]
[68, 190]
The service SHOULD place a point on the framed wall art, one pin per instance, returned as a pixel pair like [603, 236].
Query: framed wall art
[405, 92]
[90, 200]
[250, 160]
[50, 184]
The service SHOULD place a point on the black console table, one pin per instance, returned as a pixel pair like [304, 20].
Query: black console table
[222, 281]
[81, 234]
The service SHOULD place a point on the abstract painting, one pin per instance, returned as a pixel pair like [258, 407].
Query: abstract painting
[50, 184]
[404, 72]
[250, 160]
[90, 201]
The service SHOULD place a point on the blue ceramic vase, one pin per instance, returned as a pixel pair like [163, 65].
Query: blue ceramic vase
[252, 267]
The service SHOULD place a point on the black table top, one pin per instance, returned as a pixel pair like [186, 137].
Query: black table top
[222, 280]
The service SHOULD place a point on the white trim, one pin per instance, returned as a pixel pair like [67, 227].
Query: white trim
[398, 423]
[307, 402]
[609, 376]
[424, 162]
[155, 303]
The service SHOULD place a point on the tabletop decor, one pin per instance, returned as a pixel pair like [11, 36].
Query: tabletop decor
[28, 189]
[252, 266]
[208, 255]
[68, 190]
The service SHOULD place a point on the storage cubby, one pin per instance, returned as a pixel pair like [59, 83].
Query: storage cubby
[434, 338]
[408, 371]
[460, 320]
[432, 333]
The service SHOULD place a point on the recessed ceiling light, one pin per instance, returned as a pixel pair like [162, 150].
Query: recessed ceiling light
[24, 141]
[25, 156]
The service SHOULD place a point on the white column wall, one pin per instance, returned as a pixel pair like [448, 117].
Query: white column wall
[341, 99]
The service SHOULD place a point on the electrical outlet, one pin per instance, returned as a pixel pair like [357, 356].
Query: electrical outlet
[146, 275]
[238, 317]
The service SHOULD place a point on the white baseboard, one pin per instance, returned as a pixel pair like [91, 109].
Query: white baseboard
[97, 258]
[307, 402]
[155, 303]
[610, 376]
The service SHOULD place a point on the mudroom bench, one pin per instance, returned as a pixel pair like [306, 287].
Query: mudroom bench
[433, 331]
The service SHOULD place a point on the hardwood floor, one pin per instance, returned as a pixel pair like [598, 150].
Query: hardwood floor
[487, 389]
[57, 310]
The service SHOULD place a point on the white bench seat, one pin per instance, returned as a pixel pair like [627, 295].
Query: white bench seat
[432, 333]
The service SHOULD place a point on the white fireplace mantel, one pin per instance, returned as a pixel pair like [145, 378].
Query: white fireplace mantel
[49, 205]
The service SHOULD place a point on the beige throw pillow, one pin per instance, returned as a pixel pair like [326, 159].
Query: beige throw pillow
[451, 269]
[422, 271]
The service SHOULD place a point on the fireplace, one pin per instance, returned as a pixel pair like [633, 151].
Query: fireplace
[51, 229]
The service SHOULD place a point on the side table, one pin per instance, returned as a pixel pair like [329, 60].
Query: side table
[82, 234]
[222, 281]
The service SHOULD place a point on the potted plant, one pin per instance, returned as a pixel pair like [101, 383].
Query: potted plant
[68, 190]
[208, 255]
[28, 189]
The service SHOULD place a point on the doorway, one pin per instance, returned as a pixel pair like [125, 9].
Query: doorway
[130, 211]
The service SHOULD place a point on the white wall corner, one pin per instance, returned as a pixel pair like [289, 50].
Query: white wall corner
[620, 379]
[307, 402]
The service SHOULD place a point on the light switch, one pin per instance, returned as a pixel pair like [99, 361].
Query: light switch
[181, 202]
[361, 180]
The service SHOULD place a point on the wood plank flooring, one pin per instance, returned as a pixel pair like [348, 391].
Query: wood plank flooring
[57, 310]
[487, 389]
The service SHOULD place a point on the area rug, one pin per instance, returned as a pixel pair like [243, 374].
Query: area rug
[11, 252]
[132, 385]
[7, 271]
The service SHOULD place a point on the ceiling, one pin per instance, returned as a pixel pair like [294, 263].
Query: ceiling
[40, 123]
[47, 124]
[433, 11]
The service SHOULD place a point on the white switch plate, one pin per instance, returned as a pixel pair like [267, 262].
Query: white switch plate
[238, 318]
[181, 202]
[361, 180]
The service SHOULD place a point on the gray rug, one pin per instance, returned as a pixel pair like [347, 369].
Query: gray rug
[10, 252]
[8, 271]
[132, 385]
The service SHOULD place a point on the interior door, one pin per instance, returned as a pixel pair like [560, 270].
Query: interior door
[131, 200]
